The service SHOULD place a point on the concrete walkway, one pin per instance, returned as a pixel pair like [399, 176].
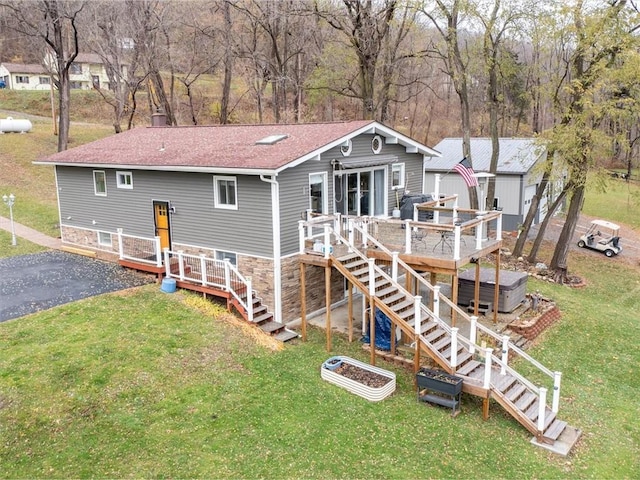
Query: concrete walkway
[30, 234]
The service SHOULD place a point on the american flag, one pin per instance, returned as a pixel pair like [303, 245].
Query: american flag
[463, 167]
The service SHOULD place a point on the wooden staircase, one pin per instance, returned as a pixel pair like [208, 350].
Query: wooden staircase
[517, 395]
[264, 319]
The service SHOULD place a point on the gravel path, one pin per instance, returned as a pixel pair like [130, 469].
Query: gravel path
[30, 283]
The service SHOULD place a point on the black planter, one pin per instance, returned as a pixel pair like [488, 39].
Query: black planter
[447, 388]
[438, 381]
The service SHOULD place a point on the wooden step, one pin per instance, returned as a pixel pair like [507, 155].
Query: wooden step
[442, 343]
[555, 429]
[525, 400]
[286, 335]
[391, 299]
[434, 335]
[271, 327]
[514, 393]
[468, 367]
[398, 307]
[504, 382]
[262, 318]
[531, 412]
[386, 291]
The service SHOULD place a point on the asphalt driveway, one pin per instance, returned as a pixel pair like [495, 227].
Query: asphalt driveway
[30, 283]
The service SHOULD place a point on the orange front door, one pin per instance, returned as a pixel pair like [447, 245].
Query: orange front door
[161, 216]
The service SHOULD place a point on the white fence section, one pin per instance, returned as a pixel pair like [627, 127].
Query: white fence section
[139, 249]
[210, 272]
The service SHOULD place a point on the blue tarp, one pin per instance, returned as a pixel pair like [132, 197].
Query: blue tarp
[383, 332]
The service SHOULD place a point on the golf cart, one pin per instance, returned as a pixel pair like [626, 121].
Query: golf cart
[602, 236]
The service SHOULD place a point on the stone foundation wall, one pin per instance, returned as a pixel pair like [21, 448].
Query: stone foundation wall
[86, 238]
[315, 291]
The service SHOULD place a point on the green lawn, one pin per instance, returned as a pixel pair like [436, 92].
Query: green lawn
[161, 390]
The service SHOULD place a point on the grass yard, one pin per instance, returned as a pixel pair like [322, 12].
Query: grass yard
[162, 390]
[34, 185]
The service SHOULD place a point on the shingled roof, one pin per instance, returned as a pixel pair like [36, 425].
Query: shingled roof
[221, 147]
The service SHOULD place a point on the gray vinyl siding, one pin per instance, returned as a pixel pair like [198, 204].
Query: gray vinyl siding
[294, 184]
[195, 221]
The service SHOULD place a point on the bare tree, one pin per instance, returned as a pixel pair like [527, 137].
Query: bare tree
[54, 23]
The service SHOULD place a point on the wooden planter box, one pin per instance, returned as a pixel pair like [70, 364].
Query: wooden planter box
[372, 394]
[446, 388]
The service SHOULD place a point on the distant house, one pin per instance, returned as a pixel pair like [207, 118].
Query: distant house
[516, 179]
[19, 76]
[234, 192]
[86, 72]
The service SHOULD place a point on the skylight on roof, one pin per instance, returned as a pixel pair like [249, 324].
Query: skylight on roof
[271, 139]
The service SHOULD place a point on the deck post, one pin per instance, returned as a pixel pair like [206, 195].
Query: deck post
[337, 225]
[303, 300]
[407, 237]
[227, 274]
[473, 333]
[327, 297]
[542, 405]
[556, 391]
[365, 234]
[180, 265]
[479, 228]
[505, 354]
[454, 348]
[120, 245]
[456, 242]
[417, 329]
[309, 226]
[301, 236]
[327, 241]
[249, 300]
[499, 227]
[436, 196]
[394, 266]
[350, 233]
[487, 367]
[203, 269]
[436, 301]
[158, 251]
[372, 329]
[350, 310]
[167, 262]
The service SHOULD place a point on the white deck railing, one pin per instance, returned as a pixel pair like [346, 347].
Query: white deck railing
[330, 236]
[139, 249]
[210, 272]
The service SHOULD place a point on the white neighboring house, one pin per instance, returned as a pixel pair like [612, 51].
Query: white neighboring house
[20, 76]
[86, 71]
[516, 178]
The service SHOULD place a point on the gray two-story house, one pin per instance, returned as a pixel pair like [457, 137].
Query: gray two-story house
[234, 192]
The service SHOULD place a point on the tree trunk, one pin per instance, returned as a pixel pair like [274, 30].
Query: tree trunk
[533, 254]
[523, 232]
[561, 252]
[228, 62]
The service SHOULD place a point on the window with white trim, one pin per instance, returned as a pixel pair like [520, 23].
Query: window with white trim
[232, 257]
[100, 183]
[124, 180]
[397, 175]
[225, 191]
[346, 148]
[376, 144]
[75, 69]
[22, 79]
[104, 239]
[318, 202]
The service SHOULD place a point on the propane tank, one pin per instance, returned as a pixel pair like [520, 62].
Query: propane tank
[15, 126]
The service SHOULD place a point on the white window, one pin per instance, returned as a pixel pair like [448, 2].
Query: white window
[318, 202]
[376, 144]
[104, 239]
[232, 257]
[124, 180]
[22, 79]
[397, 175]
[75, 69]
[225, 192]
[44, 81]
[345, 149]
[100, 183]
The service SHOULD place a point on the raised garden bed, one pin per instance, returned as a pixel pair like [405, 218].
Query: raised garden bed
[439, 387]
[367, 381]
